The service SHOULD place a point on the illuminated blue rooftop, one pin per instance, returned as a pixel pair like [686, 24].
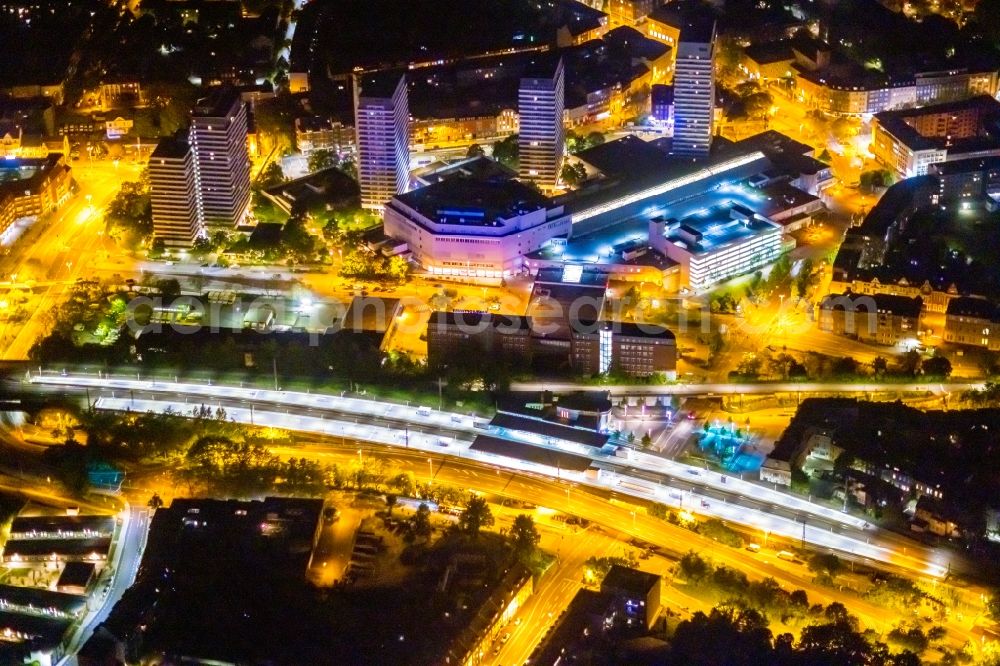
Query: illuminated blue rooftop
[712, 228]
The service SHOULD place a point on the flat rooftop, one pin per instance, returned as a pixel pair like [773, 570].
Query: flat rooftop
[41, 526]
[171, 149]
[217, 103]
[43, 630]
[530, 453]
[41, 599]
[712, 229]
[471, 202]
[378, 86]
[900, 124]
[76, 574]
[548, 429]
[477, 168]
[629, 580]
[630, 156]
[82, 548]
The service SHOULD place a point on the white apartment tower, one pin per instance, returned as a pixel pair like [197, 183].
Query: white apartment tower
[541, 141]
[382, 122]
[694, 89]
[174, 193]
[218, 138]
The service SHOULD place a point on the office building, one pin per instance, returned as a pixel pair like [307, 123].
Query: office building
[635, 350]
[716, 244]
[218, 138]
[453, 334]
[382, 125]
[174, 193]
[589, 347]
[694, 89]
[540, 103]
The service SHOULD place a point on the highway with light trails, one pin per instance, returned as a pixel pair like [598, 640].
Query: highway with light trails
[747, 503]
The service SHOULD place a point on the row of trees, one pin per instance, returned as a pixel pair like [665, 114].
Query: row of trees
[766, 364]
[325, 159]
[365, 265]
[129, 216]
[474, 518]
[737, 634]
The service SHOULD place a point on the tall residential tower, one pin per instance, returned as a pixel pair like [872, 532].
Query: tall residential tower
[174, 193]
[218, 138]
[694, 88]
[382, 122]
[541, 142]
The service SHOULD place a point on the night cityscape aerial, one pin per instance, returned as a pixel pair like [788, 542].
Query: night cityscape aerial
[500, 332]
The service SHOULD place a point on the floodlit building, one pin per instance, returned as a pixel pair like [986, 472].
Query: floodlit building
[470, 227]
[541, 142]
[314, 133]
[218, 138]
[382, 126]
[717, 243]
[174, 193]
[30, 187]
[694, 89]
[566, 323]
[879, 318]
[909, 141]
[629, 12]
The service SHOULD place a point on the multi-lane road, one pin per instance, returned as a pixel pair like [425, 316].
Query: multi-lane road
[612, 516]
[639, 475]
[761, 388]
[61, 251]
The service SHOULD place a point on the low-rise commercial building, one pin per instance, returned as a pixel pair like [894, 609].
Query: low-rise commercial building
[62, 527]
[57, 550]
[720, 243]
[636, 350]
[878, 318]
[591, 347]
